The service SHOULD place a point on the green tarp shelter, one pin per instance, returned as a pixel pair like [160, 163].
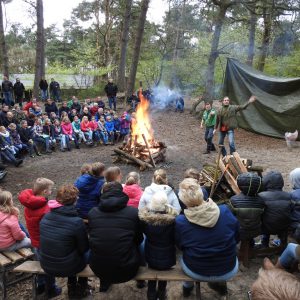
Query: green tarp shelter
[277, 109]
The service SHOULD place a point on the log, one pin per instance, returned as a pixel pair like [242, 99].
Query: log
[234, 167]
[134, 145]
[239, 162]
[230, 179]
[134, 159]
[150, 155]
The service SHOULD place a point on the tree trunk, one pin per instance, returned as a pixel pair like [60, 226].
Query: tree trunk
[137, 46]
[251, 47]
[124, 42]
[40, 48]
[107, 33]
[4, 54]
[267, 17]
[210, 74]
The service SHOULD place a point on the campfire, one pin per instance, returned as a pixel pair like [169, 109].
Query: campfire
[141, 148]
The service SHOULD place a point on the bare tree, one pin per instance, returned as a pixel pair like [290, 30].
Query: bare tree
[137, 46]
[124, 42]
[252, 29]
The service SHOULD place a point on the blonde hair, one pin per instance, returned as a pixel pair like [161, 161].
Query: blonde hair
[85, 168]
[160, 177]
[42, 184]
[112, 174]
[132, 178]
[192, 173]
[7, 205]
[275, 284]
[96, 169]
[190, 192]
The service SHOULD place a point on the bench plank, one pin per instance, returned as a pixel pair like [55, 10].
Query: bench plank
[25, 252]
[175, 274]
[4, 261]
[33, 267]
[13, 256]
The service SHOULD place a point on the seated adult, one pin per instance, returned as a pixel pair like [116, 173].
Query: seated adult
[50, 106]
[207, 235]
[64, 242]
[273, 283]
[115, 236]
[248, 206]
[160, 183]
[76, 105]
[295, 194]
[89, 186]
[278, 206]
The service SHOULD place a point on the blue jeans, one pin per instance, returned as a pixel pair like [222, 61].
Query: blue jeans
[7, 98]
[204, 278]
[208, 136]
[289, 256]
[112, 102]
[222, 135]
[44, 141]
[55, 95]
[103, 137]
[44, 94]
[68, 142]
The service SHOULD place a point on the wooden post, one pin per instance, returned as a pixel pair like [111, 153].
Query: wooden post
[150, 155]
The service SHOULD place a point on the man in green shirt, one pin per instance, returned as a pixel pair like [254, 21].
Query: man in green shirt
[227, 122]
[209, 120]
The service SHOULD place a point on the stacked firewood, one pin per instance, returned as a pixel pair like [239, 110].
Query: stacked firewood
[145, 155]
[228, 168]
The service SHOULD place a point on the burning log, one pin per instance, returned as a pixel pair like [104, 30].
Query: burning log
[150, 155]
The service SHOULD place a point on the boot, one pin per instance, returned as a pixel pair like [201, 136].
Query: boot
[151, 292]
[219, 287]
[72, 289]
[162, 290]
[187, 291]
[18, 162]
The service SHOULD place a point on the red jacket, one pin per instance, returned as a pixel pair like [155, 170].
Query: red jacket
[94, 110]
[66, 128]
[35, 208]
[85, 126]
[134, 192]
[93, 125]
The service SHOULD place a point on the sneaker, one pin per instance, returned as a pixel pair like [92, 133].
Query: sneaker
[32, 156]
[54, 292]
[276, 243]
[187, 291]
[62, 150]
[219, 287]
[2, 174]
[18, 162]
[39, 154]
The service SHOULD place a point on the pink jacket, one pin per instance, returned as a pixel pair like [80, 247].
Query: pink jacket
[134, 192]
[66, 128]
[10, 231]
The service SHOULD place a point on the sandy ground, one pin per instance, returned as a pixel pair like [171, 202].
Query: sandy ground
[182, 134]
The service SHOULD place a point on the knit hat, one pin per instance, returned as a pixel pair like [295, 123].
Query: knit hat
[295, 178]
[158, 202]
[249, 183]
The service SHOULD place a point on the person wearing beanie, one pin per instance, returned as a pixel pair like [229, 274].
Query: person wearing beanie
[158, 223]
[160, 183]
[278, 206]
[207, 235]
[248, 206]
[64, 242]
[295, 195]
[115, 237]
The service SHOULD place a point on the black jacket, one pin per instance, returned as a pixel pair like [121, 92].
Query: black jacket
[7, 86]
[19, 88]
[76, 106]
[159, 229]
[54, 86]
[63, 242]
[115, 234]
[111, 89]
[66, 109]
[49, 108]
[43, 85]
[26, 134]
[278, 204]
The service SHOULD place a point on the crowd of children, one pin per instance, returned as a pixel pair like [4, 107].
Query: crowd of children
[31, 127]
[116, 228]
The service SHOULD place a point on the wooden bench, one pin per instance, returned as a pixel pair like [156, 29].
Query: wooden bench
[8, 261]
[175, 274]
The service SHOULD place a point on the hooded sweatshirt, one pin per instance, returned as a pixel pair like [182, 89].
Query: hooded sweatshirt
[35, 208]
[10, 231]
[208, 250]
[134, 192]
[295, 195]
[154, 188]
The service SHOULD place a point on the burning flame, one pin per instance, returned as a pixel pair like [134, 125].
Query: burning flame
[141, 121]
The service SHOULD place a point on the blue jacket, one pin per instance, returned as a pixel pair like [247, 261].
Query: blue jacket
[208, 251]
[117, 125]
[63, 242]
[295, 195]
[159, 229]
[89, 193]
[109, 126]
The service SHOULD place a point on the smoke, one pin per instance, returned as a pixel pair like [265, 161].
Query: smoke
[164, 97]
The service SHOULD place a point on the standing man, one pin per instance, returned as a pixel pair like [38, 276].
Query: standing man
[209, 119]
[227, 122]
[7, 88]
[111, 90]
[19, 90]
[44, 89]
[55, 90]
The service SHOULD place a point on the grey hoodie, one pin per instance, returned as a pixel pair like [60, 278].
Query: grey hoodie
[295, 178]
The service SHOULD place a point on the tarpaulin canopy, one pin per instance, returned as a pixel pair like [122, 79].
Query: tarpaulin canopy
[277, 109]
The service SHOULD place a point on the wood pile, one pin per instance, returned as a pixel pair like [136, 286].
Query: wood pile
[145, 155]
[230, 167]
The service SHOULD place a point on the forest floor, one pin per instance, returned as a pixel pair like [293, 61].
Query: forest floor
[182, 134]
